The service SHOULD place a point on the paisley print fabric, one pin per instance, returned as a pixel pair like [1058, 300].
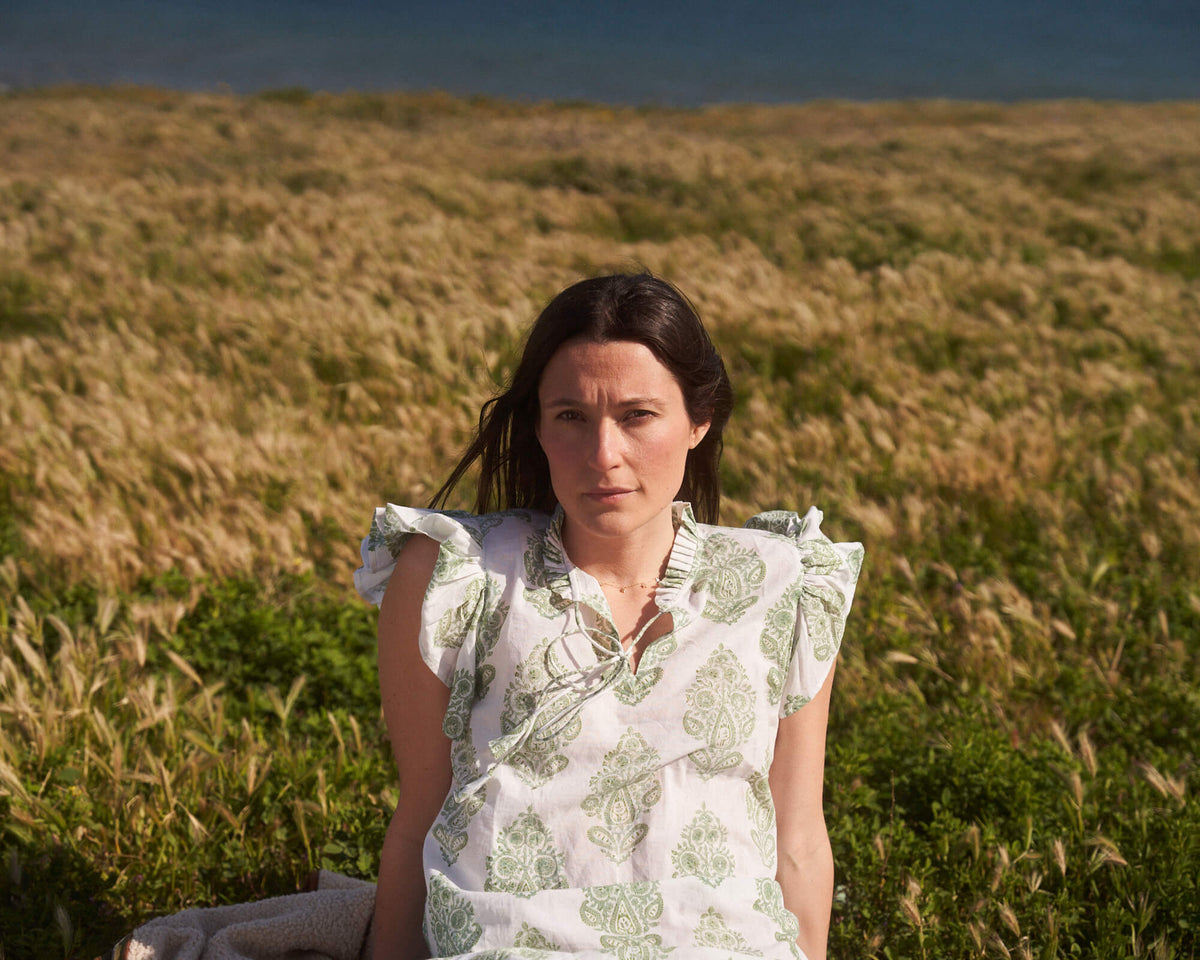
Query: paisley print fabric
[525, 859]
[703, 850]
[624, 789]
[720, 712]
[597, 811]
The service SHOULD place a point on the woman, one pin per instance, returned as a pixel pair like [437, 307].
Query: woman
[608, 715]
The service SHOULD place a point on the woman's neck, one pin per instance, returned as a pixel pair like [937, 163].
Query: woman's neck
[635, 558]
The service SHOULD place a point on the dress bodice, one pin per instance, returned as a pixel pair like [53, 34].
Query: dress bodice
[595, 808]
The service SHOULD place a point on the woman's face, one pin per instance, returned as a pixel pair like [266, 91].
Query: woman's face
[615, 429]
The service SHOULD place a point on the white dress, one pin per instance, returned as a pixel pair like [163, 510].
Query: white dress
[596, 811]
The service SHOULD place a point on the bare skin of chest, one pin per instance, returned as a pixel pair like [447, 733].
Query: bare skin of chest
[631, 611]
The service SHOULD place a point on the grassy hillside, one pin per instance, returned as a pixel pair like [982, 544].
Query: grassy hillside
[971, 333]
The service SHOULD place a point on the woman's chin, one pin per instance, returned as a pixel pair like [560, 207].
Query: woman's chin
[620, 517]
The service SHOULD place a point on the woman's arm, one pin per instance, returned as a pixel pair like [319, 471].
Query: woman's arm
[805, 868]
[414, 703]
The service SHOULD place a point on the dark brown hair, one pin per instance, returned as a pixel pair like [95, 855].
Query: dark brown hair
[638, 308]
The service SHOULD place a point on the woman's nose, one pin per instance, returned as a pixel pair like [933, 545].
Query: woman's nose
[606, 446]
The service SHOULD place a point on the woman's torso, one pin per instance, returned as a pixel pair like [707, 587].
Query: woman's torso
[595, 808]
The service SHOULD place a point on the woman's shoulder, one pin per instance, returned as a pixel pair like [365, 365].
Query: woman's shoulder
[392, 525]
[786, 538]
[465, 541]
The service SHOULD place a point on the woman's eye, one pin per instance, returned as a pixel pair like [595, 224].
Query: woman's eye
[568, 415]
[639, 414]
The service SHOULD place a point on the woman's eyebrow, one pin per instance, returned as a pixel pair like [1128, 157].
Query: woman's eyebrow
[640, 402]
[628, 402]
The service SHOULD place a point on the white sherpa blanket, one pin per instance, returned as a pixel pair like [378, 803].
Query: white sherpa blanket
[332, 922]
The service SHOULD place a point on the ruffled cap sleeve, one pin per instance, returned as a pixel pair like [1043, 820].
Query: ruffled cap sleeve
[455, 590]
[823, 592]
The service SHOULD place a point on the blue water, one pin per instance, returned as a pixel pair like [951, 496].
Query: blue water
[673, 52]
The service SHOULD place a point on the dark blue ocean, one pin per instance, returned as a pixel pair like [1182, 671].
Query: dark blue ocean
[670, 52]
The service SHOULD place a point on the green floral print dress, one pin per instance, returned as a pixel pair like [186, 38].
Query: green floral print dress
[595, 810]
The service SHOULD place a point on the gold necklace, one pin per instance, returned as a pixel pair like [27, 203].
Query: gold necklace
[629, 586]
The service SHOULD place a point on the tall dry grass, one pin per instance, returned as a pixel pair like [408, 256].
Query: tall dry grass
[233, 325]
[971, 333]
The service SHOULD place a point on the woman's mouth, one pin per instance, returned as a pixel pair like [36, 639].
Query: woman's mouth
[608, 495]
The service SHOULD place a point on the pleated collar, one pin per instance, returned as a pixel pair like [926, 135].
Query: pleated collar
[569, 582]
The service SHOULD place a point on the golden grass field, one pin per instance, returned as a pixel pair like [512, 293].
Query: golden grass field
[268, 317]
[231, 326]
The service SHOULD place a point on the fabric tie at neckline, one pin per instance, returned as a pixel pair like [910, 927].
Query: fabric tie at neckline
[612, 662]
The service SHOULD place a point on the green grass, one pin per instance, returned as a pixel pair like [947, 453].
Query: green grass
[245, 748]
[161, 783]
[953, 834]
[23, 310]
[969, 332]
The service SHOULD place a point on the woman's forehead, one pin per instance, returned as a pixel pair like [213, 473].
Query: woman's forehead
[619, 366]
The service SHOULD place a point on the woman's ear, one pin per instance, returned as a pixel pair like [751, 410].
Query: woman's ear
[698, 432]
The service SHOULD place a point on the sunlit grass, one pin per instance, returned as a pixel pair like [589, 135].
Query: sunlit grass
[971, 333]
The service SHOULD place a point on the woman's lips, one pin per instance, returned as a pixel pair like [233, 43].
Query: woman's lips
[607, 496]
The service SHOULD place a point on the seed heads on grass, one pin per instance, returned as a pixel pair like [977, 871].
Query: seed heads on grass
[1060, 856]
[66, 929]
[236, 365]
[997, 945]
[1173, 787]
[1106, 852]
[1087, 752]
[1009, 919]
